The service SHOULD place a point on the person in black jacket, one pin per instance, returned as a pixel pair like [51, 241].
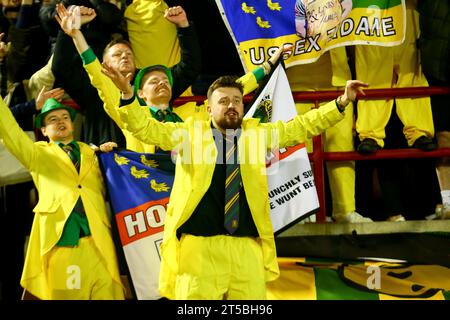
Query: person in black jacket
[68, 69]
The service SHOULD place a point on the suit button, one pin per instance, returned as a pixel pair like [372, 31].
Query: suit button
[79, 187]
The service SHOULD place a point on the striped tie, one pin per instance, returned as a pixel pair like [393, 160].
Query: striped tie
[68, 148]
[232, 188]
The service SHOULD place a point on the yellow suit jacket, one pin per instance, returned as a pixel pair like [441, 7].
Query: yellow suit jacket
[194, 143]
[59, 186]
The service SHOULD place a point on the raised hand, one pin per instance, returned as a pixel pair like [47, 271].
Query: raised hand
[66, 20]
[86, 14]
[122, 82]
[285, 50]
[177, 16]
[72, 19]
[43, 95]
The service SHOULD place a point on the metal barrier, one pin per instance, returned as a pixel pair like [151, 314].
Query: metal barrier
[318, 157]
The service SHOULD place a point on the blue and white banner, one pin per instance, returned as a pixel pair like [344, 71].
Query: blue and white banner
[139, 187]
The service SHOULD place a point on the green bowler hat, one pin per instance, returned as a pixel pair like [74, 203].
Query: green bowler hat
[50, 105]
[143, 72]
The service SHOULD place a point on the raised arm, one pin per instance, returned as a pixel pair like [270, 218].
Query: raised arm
[315, 121]
[137, 120]
[107, 91]
[71, 24]
[250, 79]
[186, 71]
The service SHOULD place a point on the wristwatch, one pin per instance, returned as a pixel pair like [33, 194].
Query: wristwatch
[339, 105]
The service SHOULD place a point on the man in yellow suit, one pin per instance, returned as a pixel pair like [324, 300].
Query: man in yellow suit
[218, 237]
[71, 254]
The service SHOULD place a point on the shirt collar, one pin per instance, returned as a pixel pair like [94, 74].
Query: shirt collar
[72, 143]
[155, 109]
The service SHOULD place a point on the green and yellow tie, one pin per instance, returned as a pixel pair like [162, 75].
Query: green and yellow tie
[73, 152]
[69, 149]
[232, 188]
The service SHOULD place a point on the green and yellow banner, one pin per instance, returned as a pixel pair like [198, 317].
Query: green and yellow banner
[302, 279]
[258, 27]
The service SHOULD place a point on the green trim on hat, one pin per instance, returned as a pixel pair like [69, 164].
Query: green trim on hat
[143, 72]
[50, 105]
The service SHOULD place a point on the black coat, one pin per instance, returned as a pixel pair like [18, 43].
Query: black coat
[70, 74]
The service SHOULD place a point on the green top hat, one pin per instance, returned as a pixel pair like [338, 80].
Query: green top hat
[143, 72]
[50, 105]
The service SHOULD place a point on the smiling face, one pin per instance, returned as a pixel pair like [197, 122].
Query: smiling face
[155, 88]
[226, 108]
[120, 58]
[58, 126]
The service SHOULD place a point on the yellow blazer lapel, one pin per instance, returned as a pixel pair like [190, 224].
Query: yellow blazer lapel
[62, 155]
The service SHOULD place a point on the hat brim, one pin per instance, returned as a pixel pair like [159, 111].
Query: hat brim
[39, 120]
[141, 74]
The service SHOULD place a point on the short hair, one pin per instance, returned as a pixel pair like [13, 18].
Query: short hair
[225, 82]
[114, 42]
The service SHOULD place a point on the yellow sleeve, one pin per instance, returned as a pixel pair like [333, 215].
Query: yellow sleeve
[145, 128]
[302, 127]
[15, 139]
[106, 89]
[249, 81]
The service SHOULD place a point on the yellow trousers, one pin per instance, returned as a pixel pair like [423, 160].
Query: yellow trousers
[330, 72]
[220, 267]
[79, 273]
[393, 67]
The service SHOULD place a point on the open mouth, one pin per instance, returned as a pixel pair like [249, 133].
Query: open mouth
[163, 89]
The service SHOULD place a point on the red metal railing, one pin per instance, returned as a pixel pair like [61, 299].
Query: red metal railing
[332, 94]
[319, 157]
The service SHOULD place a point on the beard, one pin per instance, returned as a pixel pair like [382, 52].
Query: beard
[226, 122]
